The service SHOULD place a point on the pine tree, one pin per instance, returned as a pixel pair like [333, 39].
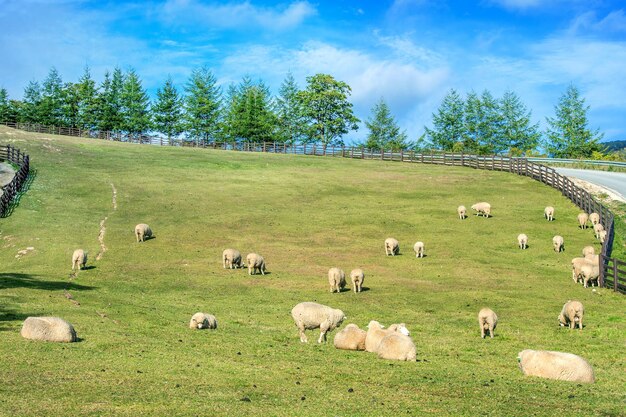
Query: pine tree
[202, 105]
[567, 134]
[490, 140]
[135, 106]
[5, 107]
[70, 99]
[519, 136]
[290, 122]
[30, 111]
[52, 99]
[249, 115]
[87, 101]
[167, 110]
[384, 131]
[109, 102]
[448, 124]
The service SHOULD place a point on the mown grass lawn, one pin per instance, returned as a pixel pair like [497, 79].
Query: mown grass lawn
[137, 355]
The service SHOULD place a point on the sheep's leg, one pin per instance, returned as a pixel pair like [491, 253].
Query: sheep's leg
[482, 331]
[262, 269]
[250, 269]
[491, 331]
[580, 323]
[303, 337]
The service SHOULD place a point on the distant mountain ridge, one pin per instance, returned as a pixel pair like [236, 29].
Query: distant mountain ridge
[614, 145]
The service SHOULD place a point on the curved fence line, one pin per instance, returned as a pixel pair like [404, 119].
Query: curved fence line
[612, 270]
[12, 189]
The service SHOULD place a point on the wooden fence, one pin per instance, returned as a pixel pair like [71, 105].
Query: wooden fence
[12, 189]
[612, 270]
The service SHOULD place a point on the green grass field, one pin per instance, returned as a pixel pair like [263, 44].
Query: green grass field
[137, 356]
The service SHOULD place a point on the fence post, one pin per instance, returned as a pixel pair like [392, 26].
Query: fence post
[615, 276]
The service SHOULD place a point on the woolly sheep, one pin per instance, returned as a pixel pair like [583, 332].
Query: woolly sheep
[597, 228]
[142, 232]
[49, 329]
[462, 212]
[572, 313]
[309, 315]
[350, 338]
[231, 259]
[589, 250]
[558, 243]
[548, 213]
[593, 258]
[336, 279]
[203, 321]
[582, 220]
[419, 249]
[522, 241]
[357, 276]
[590, 272]
[577, 263]
[397, 346]
[255, 262]
[561, 366]
[377, 332]
[392, 246]
[482, 208]
[602, 236]
[594, 218]
[487, 320]
[79, 259]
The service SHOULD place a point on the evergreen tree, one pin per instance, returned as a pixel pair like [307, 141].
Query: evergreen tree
[109, 102]
[518, 135]
[30, 111]
[472, 124]
[490, 141]
[249, 115]
[52, 99]
[5, 107]
[384, 131]
[567, 134]
[70, 100]
[448, 124]
[290, 121]
[135, 106]
[167, 110]
[87, 101]
[202, 105]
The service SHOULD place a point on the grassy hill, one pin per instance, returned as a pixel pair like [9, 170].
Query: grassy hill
[131, 309]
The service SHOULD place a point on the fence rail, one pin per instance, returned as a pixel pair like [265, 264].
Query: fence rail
[612, 270]
[12, 189]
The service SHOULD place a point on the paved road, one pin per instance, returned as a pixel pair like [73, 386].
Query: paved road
[615, 181]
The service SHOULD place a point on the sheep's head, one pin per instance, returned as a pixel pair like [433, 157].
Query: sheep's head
[402, 329]
[561, 319]
[198, 321]
[375, 324]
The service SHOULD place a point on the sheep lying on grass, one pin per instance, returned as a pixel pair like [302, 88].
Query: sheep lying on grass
[419, 249]
[522, 241]
[49, 329]
[482, 208]
[392, 246]
[582, 220]
[203, 321]
[548, 213]
[357, 276]
[558, 243]
[561, 366]
[142, 232]
[79, 259]
[589, 250]
[397, 346]
[231, 259]
[255, 263]
[487, 320]
[462, 212]
[350, 338]
[376, 332]
[336, 279]
[594, 218]
[308, 316]
[597, 228]
[571, 314]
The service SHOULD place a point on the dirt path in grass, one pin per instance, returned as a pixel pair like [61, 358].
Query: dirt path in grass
[103, 228]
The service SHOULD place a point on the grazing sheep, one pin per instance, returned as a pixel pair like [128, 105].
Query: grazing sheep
[548, 213]
[143, 232]
[79, 259]
[462, 212]
[357, 276]
[522, 241]
[377, 332]
[392, 246]
[602, 236]
[558, 243]
[397, 346]
[419, 249]
[308, 316]
[336, 279]
[571, 314]
[255, 262]
[593, 258]
[589, 250]
[594, 218]
[48, 329]
[582, 220]
[203, 321]
[231, 258]
[561, 366]
[487, 320]
[577, 263]
[482, 208]
[350, 338]
[590, 272]
[597, 228]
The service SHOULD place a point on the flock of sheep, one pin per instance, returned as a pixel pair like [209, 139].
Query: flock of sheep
[393, 342]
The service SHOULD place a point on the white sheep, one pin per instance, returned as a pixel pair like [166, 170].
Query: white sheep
[231, 259]
[255, 262]
[594, 218]
[589, 250]
[582, 220]
[392, 246]
[522, 241]
[462, 212]
[377, 332]
[203, 321]
[419, 249]
[590, 272]
[561, 366]
[358, 277]
[336, 279]
[577, 263]
[548, 213]
[142, 232]
[397, 346]
[79, 259]
[49, 329]
[571, 314]
[350, 338]
[487, 320]
[558, 243]
[593, 258]
[602, 236]
[482, 208]
[597, 228]
[309, 316]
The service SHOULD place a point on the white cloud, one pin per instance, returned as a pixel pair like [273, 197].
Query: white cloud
[519, 4]
[614, 22]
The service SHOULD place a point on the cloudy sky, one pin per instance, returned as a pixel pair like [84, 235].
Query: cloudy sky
[410, 52]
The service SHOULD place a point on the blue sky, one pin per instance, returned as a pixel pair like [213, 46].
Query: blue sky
[410, 52]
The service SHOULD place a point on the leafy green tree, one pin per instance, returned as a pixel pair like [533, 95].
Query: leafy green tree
[30, 111]
[326, 109]
[518, 135]
[135, 106]
[250, 113]
[290, 121]
[202, 105]
[448, 123]
[109, 101]
[384, 132]
[52, 99]
[70, 100]
[167, 111]
[87, 101]
[567, 134]
[5, 107]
